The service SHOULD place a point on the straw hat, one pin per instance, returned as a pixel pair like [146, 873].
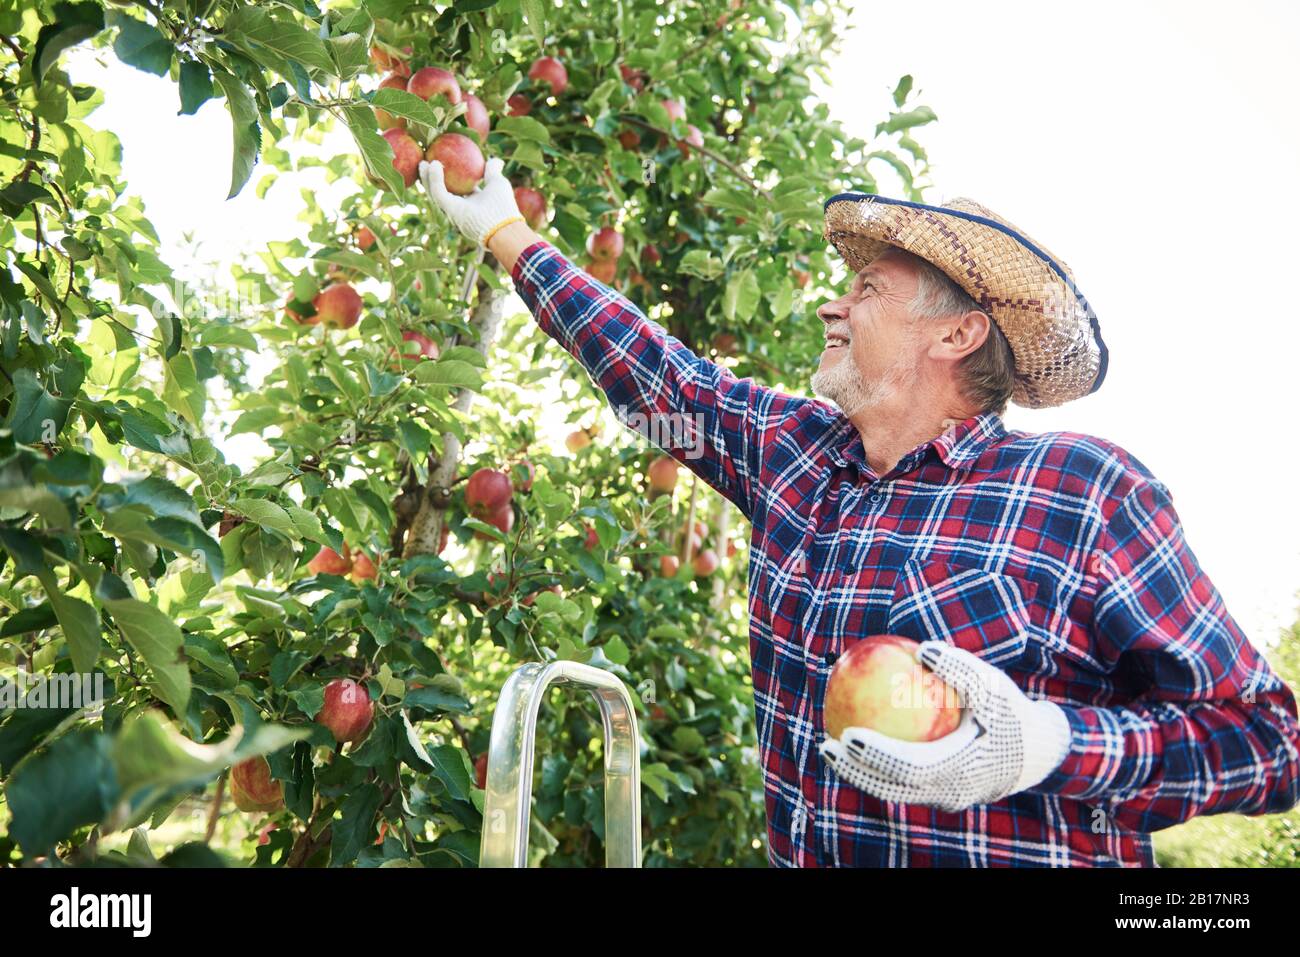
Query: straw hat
[1027, 291]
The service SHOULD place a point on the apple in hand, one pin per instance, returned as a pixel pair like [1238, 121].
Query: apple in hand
[253, 788]
[878, 684]
[547, 69]
[462, 162]
[329, 562]
[347, 711]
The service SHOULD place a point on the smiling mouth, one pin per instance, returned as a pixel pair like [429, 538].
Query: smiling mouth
[834, 342]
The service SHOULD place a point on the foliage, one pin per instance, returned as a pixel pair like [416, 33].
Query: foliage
[133, 547]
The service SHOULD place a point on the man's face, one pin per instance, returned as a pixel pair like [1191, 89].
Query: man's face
[872, 347]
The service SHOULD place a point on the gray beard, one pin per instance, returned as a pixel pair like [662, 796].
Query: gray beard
[845, 385]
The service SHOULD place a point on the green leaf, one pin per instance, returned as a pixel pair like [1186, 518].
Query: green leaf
[307, 524]
[248, 134]
[902, 90]
[375, 151]
[81, 629]
[157, 640]
[76, 22]
[449, 372]
[742, 296]
[195, 86]
[356, 827]
[522, 128]
[280, 35]
[535, 16]
[68, 786]
[906, 120]
[141, 46]
[406, 105]
[702, 263]
[267, 514]
[449, 768]
[182, 391]
[34, 414]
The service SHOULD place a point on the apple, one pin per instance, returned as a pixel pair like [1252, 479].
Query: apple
[662, 474]
[406, 154]
[524, 474]
[480, 771]
[386, 120]
[476, 117]
[725, 343]
[878, 683]
[362, 567]
[347, 711]
[486, 491]
[253, 788]
[434, 81]
[577, 441]
[338, 305]
[630, 139]
[329, 562]
[462, 162]
[705, 563]
[676, 109]
[602, 269]
[502, 517]
[428, 349]
[605, 244]
[651, 256]
[592, 539]
[518, 105]
[365, 238]
[632, 77]
[668, 565]
[547, 69]
[383, 60]
[532, 205]
[731, 549]
[693, 138]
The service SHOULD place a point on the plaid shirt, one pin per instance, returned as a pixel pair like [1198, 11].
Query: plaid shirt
[1057, 557]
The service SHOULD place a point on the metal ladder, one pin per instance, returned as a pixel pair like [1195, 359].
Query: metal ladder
[506, 808]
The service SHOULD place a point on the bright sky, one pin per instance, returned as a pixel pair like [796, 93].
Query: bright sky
[1153, 146]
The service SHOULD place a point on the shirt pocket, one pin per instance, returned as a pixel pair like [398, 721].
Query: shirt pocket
[989, 614]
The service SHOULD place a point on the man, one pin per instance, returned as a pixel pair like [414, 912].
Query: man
[1107, 692]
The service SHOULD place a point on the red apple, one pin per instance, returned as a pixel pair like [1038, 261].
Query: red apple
[668, 565]
[338, 305]
[706, 562]
[252, 787]
[532, 205]
[348, 710]
[386, 120]
[630, 140]
[444, 538]
[650, 255]
[731, 549]
[603, 269]
[365, 238]
[329, 562]
[577, 441]
[547, 69]
[605, 243]
[503, 518]
[480, 771]
[518, 105]
[476, 117]
[462, 162]
[878, 683]
[427, 348]
[406, 154]
[362, 567]
[434, 81]
[486, 491]
[592, 539]
[662, 474]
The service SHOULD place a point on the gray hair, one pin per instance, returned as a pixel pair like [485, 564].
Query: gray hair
[987, 376]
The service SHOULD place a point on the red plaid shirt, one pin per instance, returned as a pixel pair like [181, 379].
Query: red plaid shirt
[1058, 557]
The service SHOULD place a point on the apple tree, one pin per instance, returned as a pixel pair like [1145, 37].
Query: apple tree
[356, 573]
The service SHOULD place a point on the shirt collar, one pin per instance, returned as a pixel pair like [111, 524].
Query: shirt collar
[958, 447]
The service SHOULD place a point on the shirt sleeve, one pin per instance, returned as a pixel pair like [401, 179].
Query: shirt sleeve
[1211, 728]
[696, 411]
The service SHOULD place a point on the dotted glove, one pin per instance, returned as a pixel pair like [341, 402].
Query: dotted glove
[1005, 742]
[480, 214]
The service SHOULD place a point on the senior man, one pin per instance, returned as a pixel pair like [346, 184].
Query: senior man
[1107, 691]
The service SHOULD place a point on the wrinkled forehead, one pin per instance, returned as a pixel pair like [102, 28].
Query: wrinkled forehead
[893, 268]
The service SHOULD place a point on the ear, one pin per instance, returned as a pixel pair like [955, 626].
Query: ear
[961, 336]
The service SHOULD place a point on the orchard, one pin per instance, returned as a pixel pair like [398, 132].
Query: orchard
[301, 654]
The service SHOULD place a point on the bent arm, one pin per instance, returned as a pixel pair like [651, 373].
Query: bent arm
[1214, 729]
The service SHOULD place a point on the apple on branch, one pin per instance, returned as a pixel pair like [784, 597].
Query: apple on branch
[662, 475]
[253, 788]
[338, 305]
[406, 154]
[329, 562]
[434, 81]
[347, 711]
[476, 117]
[549, 70]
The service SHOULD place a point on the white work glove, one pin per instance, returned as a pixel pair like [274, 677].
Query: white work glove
[480, 214]
[1005, 742]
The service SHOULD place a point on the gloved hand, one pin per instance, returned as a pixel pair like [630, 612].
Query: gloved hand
[1005, 742]
[480, 214]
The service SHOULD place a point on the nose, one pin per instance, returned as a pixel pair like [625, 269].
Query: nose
[832, 311]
